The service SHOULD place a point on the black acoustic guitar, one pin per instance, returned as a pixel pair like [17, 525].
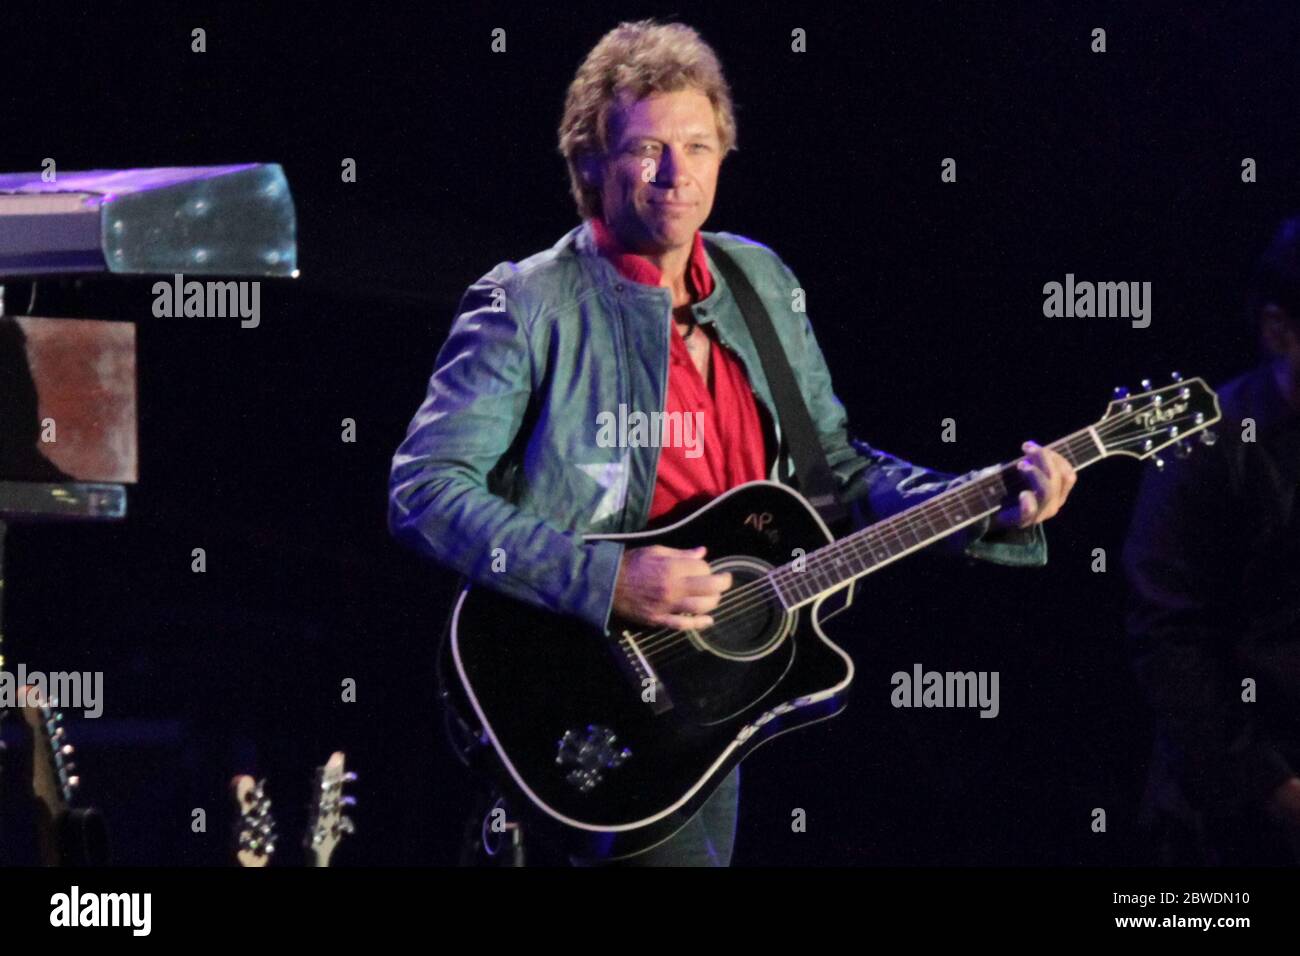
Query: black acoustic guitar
[621, 738]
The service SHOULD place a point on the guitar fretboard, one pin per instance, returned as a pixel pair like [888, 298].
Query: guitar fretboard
[839, 563]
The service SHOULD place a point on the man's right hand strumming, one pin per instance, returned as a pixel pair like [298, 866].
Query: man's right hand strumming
[668, 587]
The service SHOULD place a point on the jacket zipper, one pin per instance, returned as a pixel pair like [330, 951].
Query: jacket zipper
[663, 396]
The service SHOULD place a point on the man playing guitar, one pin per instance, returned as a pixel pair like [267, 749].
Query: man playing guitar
[501, 475]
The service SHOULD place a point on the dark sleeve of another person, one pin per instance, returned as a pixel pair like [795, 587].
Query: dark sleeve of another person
[1184, 550]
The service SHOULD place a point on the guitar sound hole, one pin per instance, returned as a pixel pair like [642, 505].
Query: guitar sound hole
[750, 622]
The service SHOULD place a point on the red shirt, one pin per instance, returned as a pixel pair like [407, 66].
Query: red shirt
[730, 443]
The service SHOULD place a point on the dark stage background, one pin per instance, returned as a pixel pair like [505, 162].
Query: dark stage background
[927, 299]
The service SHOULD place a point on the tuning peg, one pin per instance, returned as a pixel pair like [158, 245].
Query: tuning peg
[349, 777]
[1160, 463]
[1182, 449]
[1121, 392]
[1208, 438]
[1146, 384]
[1176, 376]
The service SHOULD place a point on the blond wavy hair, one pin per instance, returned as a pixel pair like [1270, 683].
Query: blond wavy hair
[631, 62]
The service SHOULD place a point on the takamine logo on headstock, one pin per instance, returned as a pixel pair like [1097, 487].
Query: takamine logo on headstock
[1145, 423]
[1157, 416]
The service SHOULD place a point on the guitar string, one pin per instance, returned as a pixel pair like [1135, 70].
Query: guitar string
[858, 546]
[857, 549]
[674, 645]
[652, 644]
[768, 585]
[768, 581]
[659, 645]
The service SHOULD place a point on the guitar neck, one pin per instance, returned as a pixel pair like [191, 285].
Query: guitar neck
[840, 563]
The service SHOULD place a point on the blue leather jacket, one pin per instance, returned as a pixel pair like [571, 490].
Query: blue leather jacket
[500, 475]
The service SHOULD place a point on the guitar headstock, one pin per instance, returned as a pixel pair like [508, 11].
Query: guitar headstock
[1145, 423]
[255, 829]
[329, 821]
[54, 779]
[66, 835]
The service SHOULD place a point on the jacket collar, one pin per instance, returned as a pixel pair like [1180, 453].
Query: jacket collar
[607, 276]
[638, 268]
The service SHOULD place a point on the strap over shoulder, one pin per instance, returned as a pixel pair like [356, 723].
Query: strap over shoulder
[816, 481]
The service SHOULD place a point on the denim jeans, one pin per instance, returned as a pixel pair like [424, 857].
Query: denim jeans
[706, 840]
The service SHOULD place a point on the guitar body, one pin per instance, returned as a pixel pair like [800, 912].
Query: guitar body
[622, 738]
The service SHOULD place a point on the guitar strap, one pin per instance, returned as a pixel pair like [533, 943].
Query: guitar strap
[816, 482]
